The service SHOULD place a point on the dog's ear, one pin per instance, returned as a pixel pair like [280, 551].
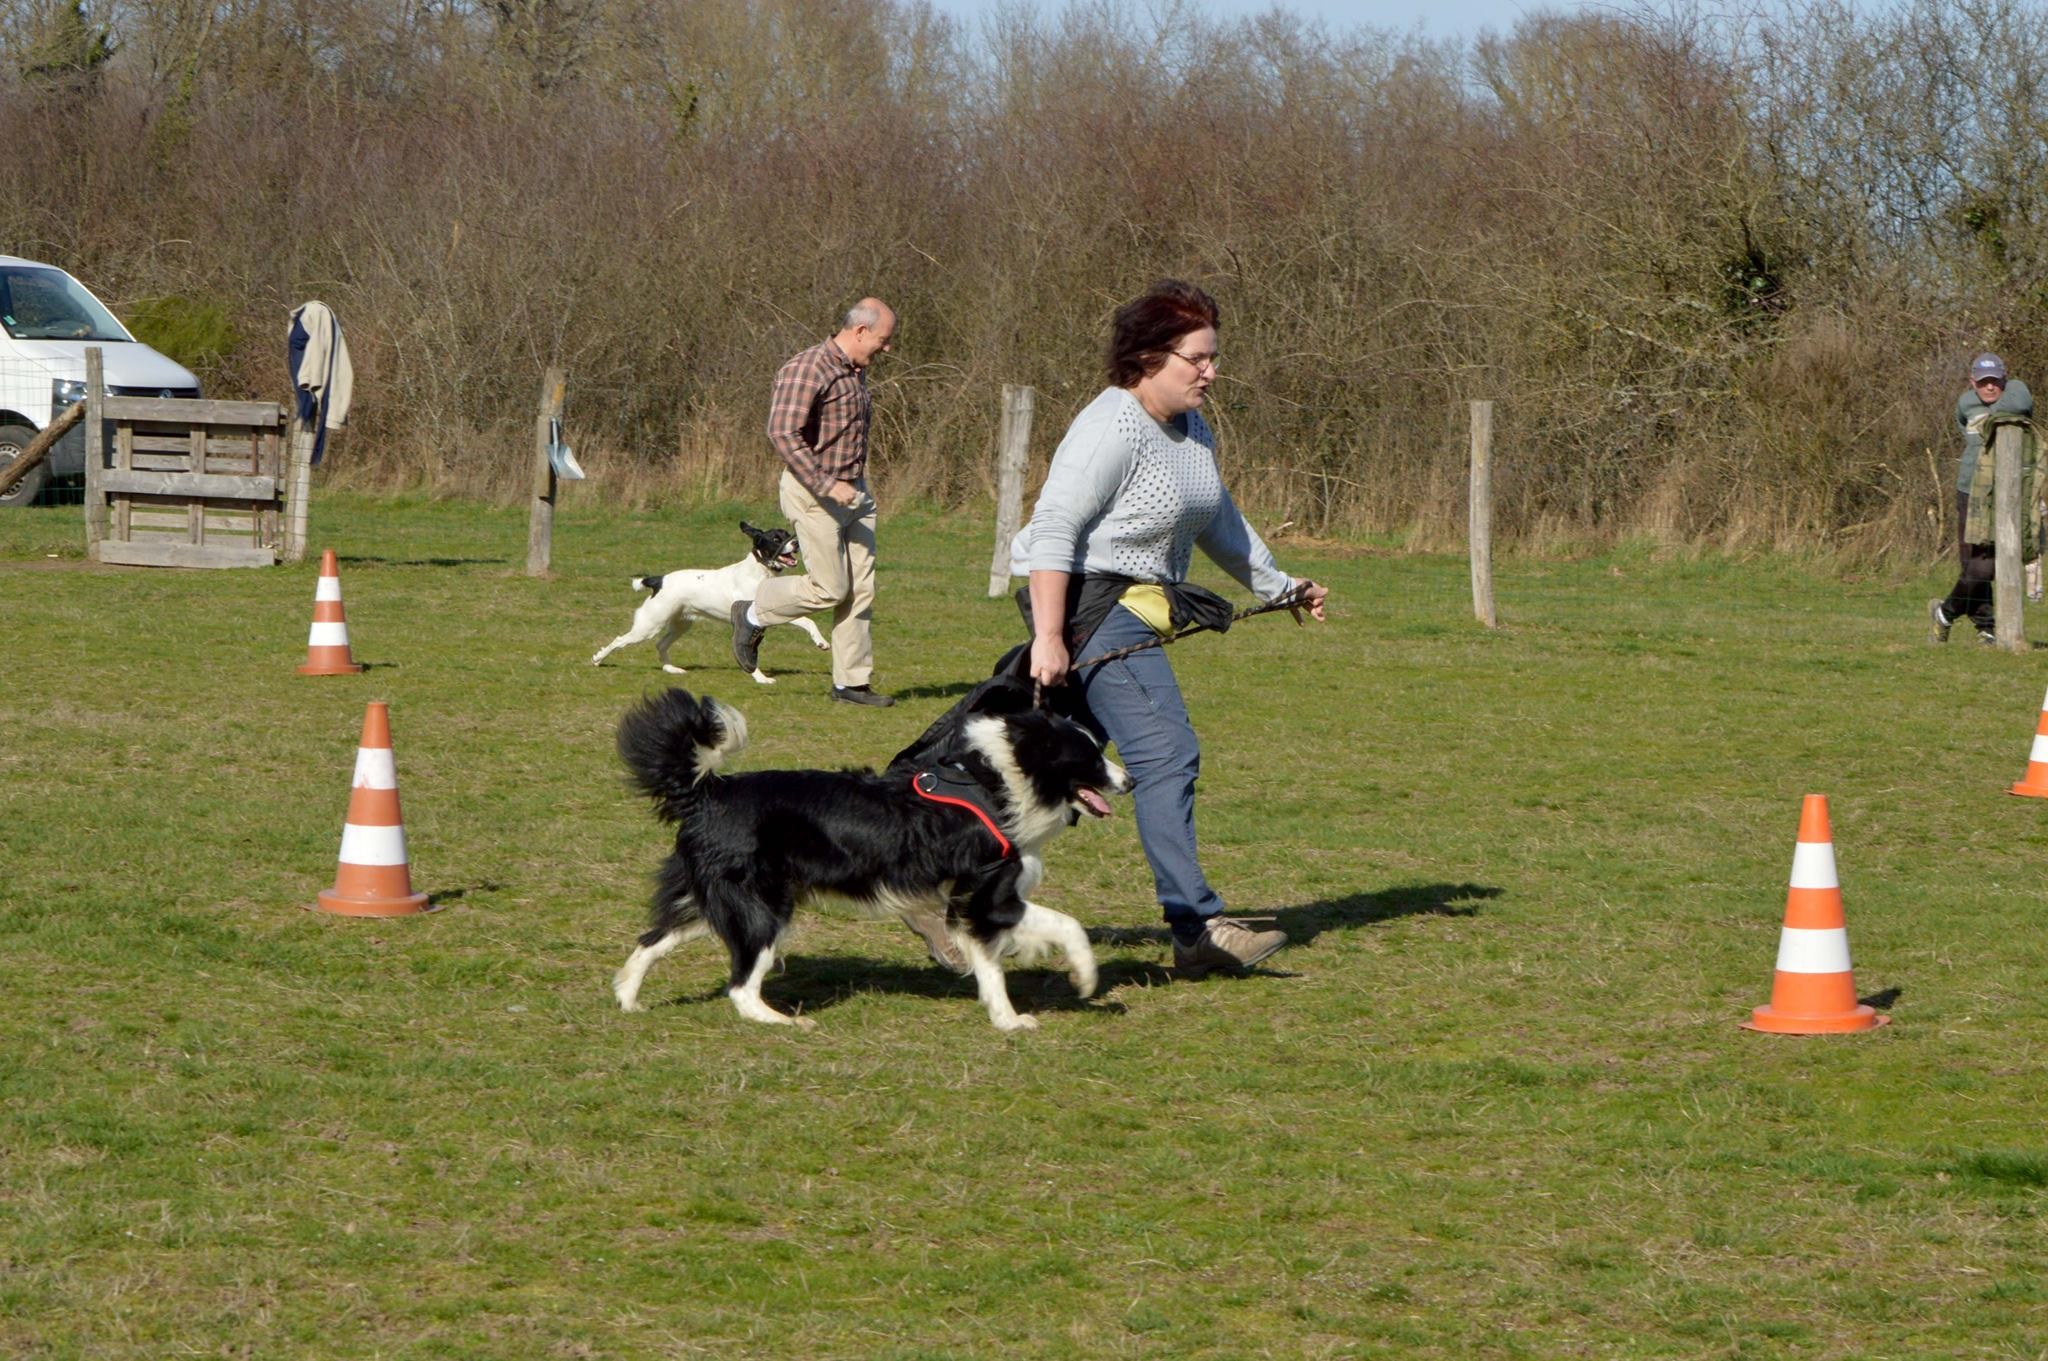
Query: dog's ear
[748, 529]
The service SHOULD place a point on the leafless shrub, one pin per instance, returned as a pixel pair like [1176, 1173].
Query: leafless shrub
[1721, 277]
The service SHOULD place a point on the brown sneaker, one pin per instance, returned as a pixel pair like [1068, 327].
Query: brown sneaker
[1225, 943]
[945, 952]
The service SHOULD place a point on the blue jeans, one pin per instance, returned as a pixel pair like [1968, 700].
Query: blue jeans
[1137, 705]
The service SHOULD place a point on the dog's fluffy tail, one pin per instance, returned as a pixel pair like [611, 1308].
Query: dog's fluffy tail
[645, 583]
[671, 741]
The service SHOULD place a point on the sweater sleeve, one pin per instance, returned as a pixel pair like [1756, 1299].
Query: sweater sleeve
[1087, 470]
[1236, 547]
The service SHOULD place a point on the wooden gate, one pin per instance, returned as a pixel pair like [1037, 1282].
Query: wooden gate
[193, 483]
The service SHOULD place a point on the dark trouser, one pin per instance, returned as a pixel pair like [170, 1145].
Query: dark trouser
[1971, 596]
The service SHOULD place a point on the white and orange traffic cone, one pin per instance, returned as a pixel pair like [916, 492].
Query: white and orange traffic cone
[374, 879]
[2034, 784]
[1813, 992]
[327, 651]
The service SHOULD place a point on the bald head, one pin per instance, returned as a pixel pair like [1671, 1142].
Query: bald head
[869, 326]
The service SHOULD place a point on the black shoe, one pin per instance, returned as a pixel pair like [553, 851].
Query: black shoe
[859, 694]
[746, 638]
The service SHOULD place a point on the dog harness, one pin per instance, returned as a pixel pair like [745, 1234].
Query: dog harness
[962, 791]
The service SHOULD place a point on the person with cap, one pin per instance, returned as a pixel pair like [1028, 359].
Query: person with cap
[1992, 394]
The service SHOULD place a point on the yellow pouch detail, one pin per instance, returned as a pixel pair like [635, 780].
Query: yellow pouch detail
[1147, 600]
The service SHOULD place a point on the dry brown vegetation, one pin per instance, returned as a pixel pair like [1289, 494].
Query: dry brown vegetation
[1722, 274]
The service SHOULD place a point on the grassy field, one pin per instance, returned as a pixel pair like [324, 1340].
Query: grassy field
[1494, 1103]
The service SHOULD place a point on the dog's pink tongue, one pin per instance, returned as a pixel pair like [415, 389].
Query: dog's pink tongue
[1094, 803]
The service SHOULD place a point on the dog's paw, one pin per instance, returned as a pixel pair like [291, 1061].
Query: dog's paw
[803, 1023]
[1017, 1023]
[673, 669]
[1084, 982]
[763, 678]
[822, 645]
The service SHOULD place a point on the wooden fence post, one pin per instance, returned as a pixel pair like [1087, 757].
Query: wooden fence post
[2008, 586]
[1479, 526]
[540, 528]
[95, 443]
[298, 481]
[1012, 451]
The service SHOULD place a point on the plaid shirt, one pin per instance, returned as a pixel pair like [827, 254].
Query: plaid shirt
[818, 417]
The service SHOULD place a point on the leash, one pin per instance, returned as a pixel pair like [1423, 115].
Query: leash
[1294, 601]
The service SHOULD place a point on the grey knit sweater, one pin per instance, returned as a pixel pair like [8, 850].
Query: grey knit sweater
[1130, 496]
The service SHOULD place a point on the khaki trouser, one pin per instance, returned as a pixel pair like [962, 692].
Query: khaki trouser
[839, 575]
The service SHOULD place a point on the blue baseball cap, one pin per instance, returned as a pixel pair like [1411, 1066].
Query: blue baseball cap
[1987, 365]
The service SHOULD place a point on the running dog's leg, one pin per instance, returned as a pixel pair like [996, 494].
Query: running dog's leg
[1044, 926]
[668, 640]
[995, 993]
[626, 982]
[811, 631]
[746, 995]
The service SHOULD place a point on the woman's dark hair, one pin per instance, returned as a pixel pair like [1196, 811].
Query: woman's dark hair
[1145, 328]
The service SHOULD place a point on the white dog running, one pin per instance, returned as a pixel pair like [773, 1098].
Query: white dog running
[710, 594]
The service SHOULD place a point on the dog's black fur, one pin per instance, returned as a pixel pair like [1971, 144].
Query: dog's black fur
[750, 848]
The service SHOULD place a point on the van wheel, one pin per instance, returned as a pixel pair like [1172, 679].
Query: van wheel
[13, 440]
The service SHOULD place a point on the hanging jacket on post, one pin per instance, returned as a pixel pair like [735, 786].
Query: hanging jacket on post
[322, 378]
[1981, 525]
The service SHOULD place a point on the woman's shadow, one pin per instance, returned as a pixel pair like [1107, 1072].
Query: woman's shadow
[1302, 923]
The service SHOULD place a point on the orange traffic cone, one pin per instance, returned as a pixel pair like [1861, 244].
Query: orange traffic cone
[374, 880]
[2034, 784]
[1813, 993]
[327, 651]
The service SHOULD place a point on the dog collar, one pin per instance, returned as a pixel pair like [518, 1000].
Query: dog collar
[962, 792]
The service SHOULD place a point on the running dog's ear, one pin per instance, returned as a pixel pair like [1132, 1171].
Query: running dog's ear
[749, 530]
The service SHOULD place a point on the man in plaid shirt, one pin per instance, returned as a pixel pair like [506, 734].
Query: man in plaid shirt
[818, 423]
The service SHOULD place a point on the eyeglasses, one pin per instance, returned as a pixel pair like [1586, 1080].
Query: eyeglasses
[1200, 361]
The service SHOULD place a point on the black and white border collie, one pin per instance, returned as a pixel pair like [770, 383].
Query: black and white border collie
[961, 836]
[709, 593]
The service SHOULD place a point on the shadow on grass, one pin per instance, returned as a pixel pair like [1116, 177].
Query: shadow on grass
[1303, 924]
[440, 898]
[948, 690]
[809, 984]
[372, 558]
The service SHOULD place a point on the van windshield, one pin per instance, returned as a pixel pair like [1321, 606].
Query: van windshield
[48, 304]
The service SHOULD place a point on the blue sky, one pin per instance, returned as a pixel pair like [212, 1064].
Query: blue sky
[1437, 18]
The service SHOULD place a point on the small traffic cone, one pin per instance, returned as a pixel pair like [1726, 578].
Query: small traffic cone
[1813, 993]
[2034, 784]
[374, 880]
[327, 651]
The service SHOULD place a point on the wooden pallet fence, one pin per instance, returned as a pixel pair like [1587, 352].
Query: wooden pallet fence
[192, 483]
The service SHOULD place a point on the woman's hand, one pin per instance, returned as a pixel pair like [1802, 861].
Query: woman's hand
[1049, 659]
[1312, 598]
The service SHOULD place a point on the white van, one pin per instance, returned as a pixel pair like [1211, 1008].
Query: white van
[47, 321]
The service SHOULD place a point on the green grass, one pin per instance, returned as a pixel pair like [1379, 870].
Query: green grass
[1495, 1102]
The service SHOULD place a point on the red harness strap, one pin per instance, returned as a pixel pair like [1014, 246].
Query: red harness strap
[971, 807]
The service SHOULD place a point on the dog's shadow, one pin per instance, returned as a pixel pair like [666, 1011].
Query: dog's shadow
[809, 984]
